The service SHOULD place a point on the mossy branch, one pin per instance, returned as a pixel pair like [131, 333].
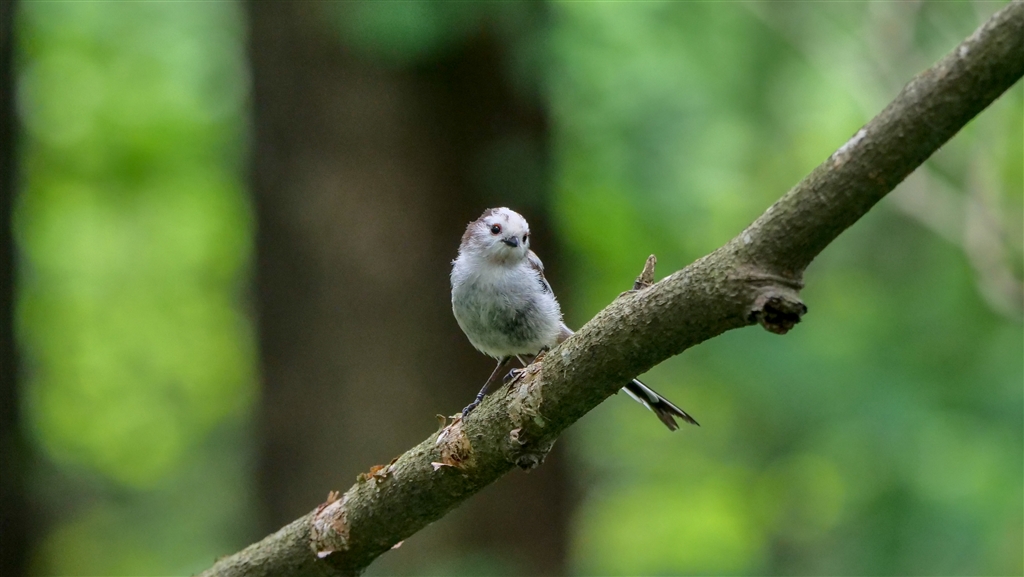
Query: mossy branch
[754, 279]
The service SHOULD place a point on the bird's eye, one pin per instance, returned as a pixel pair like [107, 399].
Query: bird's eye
[526, 236]
[495, 229]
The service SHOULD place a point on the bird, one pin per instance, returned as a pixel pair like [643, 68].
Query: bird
[506, 308]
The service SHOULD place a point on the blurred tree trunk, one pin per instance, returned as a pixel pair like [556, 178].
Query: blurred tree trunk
[14, 534]
[364, 177]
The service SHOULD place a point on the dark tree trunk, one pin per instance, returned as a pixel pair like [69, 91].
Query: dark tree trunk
[13, 507]
[364, 177]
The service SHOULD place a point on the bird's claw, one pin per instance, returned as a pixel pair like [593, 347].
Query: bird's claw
[512, 375]
[469, 409]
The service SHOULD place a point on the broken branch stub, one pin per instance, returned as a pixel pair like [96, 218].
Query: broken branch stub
[646, 278]
[777, 309]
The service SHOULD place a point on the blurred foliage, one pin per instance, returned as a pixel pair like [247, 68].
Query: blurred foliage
[135, 233]
[412, 33]
[881, 436]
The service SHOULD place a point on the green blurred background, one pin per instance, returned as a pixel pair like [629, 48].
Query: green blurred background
[884, 435]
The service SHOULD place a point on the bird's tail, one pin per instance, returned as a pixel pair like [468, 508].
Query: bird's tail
[647, 396]
[661, 406]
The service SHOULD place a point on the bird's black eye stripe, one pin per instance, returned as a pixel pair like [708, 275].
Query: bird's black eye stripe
[495, 229]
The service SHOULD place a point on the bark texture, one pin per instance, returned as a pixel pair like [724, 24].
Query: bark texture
[755, 278]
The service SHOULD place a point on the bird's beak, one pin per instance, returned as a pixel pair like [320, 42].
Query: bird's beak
[512, 241]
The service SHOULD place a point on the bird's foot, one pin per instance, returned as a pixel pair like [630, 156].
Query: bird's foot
[512, 375]
[469, 408]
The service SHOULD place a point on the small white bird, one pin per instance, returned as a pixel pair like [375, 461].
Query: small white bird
[507, 309]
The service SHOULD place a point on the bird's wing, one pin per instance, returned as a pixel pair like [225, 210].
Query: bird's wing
[534, 261]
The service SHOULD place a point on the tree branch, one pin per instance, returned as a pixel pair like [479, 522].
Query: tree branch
[754, 278]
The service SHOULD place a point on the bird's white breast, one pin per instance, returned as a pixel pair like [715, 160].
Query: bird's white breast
[504, 310]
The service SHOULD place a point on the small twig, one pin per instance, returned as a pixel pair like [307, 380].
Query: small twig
[646, 277]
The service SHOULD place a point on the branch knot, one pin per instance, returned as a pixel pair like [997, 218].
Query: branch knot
[777, 310]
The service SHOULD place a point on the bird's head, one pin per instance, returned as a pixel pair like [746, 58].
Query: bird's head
[501, 235]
